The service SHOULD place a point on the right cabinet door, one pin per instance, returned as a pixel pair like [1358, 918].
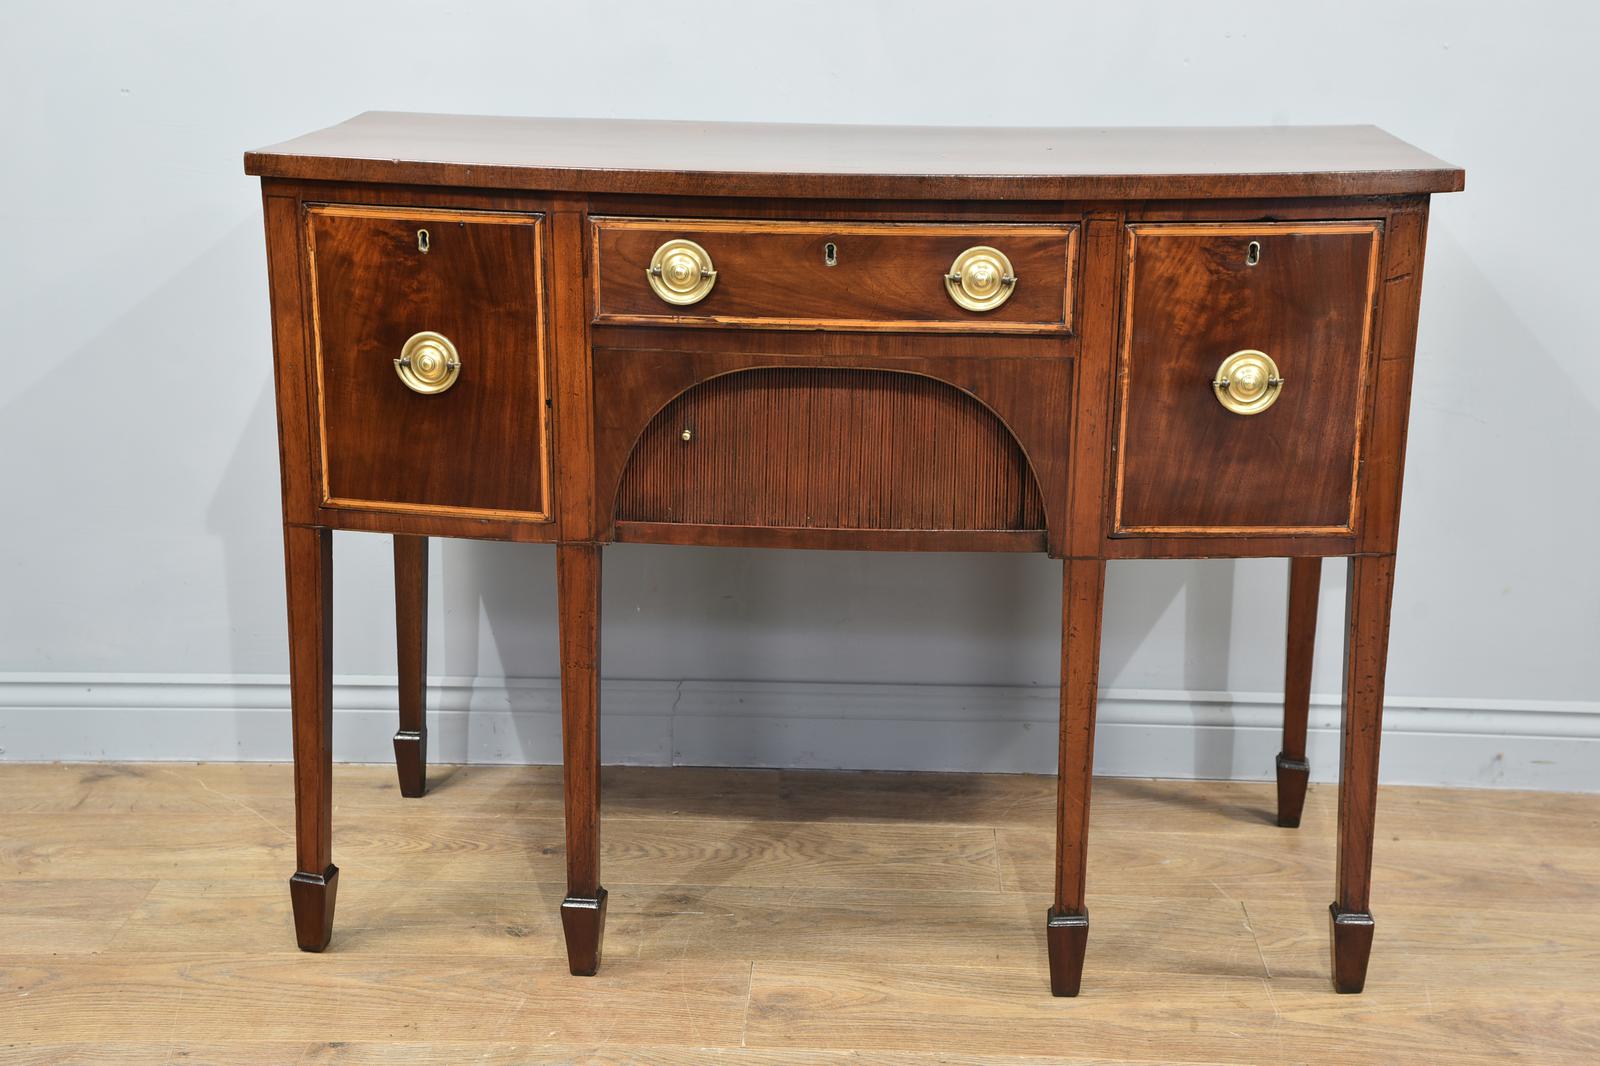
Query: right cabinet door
[1243, 377]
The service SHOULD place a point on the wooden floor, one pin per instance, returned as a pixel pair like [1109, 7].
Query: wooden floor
[779, 917]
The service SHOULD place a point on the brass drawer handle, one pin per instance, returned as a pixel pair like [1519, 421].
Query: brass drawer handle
[980, 279]
[1247, 382]
[428, 363]
[681, 272]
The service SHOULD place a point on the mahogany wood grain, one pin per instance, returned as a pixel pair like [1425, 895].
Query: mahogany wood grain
[507, 527]
[829, 448]
[583, 910]
[308, 573]
[1189, 465]
[815, 538]
[868, 162]
[1400, 299]
[1228, 546]
[411, 639]
[479, 447]
[885, 276]
[1067, 923]
[575, 404]
[1293, 771]
[1082, 529]
[291, 354]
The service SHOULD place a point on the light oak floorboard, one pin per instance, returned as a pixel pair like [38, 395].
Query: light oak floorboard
[767, 917]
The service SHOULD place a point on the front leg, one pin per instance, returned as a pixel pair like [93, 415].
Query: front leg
[1371, 588]
[583, 912]
[308, 567]
[1067, 922]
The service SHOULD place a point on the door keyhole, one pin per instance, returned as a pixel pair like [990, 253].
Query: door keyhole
[830, 254]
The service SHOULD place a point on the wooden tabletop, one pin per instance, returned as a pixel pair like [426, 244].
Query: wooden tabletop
[871, 162]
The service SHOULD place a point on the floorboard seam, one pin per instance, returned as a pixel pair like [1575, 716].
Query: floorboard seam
[749, 994]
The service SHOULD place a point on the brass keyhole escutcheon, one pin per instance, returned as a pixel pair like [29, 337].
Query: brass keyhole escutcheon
[681, 272]
[980, 279]
[423, 241]
[428, 363]
[1247, 382]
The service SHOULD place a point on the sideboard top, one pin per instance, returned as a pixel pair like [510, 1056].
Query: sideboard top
[868, 162]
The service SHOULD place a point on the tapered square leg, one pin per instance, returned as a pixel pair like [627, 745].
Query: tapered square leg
[1350, 935]
[583, 912]
[1067, 925]
[1371, 589]
[308, 568]
[1066, 936]
[1305, 582]
[312, 896]
[411, 639]
[583, 921]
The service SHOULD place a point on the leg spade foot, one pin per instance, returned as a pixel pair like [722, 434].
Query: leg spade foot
[584, 923]
[1066, 936]
[411, 761]
[1305, 583]
[1352, 946]
[1292, 777]
[312, 897]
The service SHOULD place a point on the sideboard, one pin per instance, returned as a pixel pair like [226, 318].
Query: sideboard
[1093, 343]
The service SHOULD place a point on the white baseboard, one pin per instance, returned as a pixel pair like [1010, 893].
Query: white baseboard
[1491, 743]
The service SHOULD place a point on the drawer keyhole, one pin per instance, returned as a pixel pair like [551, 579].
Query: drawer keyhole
[830, 254]
[1252, 254]
[422, 241]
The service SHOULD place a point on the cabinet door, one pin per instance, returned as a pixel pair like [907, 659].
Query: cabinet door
[1293, 297]
[431, 369]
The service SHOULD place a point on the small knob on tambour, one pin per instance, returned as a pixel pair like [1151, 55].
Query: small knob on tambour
[428, 363]
[681, 272]
[1247, 382]
[980, 279]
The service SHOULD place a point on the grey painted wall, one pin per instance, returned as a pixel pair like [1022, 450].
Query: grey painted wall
[137, 460]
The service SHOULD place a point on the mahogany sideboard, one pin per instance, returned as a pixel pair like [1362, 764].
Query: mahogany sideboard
[1094, 343]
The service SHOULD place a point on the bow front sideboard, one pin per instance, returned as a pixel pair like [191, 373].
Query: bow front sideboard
[1093, 343]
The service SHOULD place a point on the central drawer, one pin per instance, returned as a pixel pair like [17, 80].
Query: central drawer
[981, 277]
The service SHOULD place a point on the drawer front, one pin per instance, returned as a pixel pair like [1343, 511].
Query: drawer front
[460, 287]
[825, 275]
[1283, 458]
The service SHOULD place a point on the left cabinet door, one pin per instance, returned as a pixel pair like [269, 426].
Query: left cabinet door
[431, 369]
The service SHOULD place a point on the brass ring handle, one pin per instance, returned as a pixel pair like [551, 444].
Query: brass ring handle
[428, 363]
[681, 272]
[980, 279]
[1247, 382]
